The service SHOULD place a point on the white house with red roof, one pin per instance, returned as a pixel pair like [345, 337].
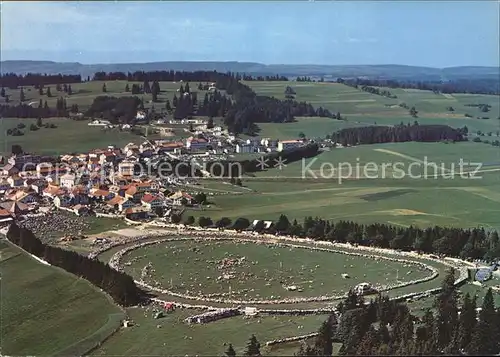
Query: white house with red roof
[289, 144]
[179, 196]
[152, 201]
[120, 203]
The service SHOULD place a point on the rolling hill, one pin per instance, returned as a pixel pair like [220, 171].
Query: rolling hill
[370, 71]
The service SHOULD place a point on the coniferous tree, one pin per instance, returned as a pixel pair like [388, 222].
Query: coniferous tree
[230, 352]
[324, 341]
[350, 330]
[127, 88]
[22, 96]
[467, 322]
[70, 90]
[253, 347]
[447, 311]
[49, 94]
[283, 224]
[40, 90]
[425, 338]
[369, 344]
[210, 123]
[484, 340]
[413, 112]
[104, 89]
[155, 90]
[146, 87]
[307, 350]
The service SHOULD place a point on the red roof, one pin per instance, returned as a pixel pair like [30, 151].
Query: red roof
[148, 198]
[4, 212]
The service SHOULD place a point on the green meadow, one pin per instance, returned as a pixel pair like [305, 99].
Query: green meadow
[170, 335]
[46, 311]
[83, 94]
[361, 184]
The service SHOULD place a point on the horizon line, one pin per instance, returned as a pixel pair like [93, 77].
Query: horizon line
[242, 62]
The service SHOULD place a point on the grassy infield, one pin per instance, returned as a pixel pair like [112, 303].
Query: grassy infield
[31, 324]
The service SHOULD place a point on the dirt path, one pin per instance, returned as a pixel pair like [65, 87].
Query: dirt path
[411, 158]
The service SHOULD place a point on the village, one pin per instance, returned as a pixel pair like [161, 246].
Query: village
[113, 182]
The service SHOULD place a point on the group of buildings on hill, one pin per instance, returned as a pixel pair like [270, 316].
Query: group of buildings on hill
[105, 181]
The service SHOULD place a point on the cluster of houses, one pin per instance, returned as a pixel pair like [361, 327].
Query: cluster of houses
[265, 145]
[101, 181]
[104, 180]
[213, 140]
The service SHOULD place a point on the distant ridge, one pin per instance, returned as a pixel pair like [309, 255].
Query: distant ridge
[389, 71]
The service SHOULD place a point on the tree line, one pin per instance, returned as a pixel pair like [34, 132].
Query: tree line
[177, 76]
[116, 110]
[475, 243]
[398, 133]
[118, 285]
[471, 86]
[42, 110]
[13, 81]
[385, 327]
[378, 91]
[230, 169]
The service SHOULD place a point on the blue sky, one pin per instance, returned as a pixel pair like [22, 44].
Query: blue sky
[423, 33]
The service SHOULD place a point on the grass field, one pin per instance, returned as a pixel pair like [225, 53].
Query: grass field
[421, 196]
[69, 136]
[175, 337]
[170, 335]
[355, 102]
[46, 311]
[84, 93]
[360, 108]
[263, 273]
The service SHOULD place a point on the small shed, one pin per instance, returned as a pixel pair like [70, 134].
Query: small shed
[251, 311]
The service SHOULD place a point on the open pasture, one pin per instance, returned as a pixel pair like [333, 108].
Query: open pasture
[175, 337]
[363, 108]
[311, 127]
[69, 136]
[46, 311]
[427, 195]
[259, 271]
[400, 205]
[83, 94]
[376, 157]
